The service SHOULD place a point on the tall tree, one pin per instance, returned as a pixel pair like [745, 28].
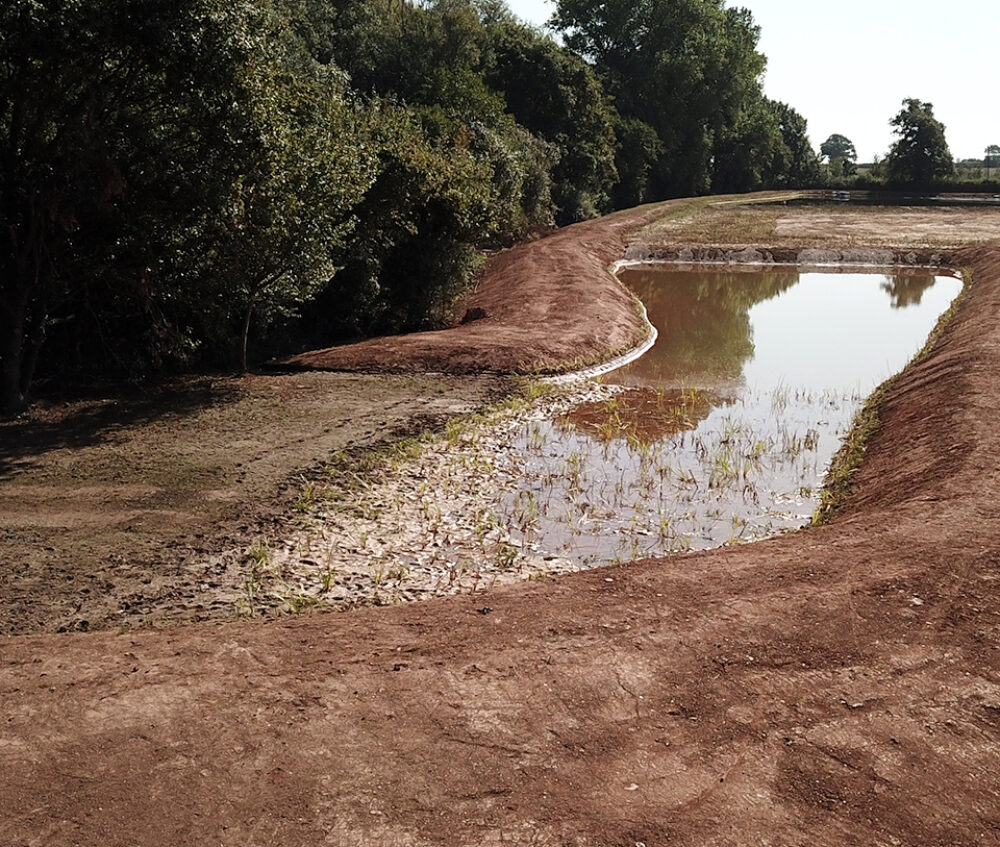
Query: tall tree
[686, 68]
[839, 152]
[794, 163]
[991, 158]
[838, 146]
[555, 94]
[121, 129]
[920, 155]
[291, 209]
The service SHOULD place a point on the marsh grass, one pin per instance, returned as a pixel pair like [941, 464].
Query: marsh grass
[752, 222]
[737, 225]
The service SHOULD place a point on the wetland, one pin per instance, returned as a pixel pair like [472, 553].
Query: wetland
[720, 434]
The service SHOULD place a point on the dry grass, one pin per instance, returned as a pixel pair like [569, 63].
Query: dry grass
[737, 225]
[741, 225]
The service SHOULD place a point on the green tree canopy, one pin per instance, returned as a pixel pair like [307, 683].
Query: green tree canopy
[686, 68]
[556, 95]
[122, 130]
[920, 155]
[794, 162]
[991, 156]
[840, 154]
[838, 147]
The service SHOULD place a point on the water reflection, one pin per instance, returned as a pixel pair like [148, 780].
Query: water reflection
[704, 324]
[722, 432]
[907, 287]
[644, 415]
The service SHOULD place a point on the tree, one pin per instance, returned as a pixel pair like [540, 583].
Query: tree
[744, 150]
[794, 163]
[840, 154]
[433, 201]
[556, 95]
[838, 147]
[121, 130]
[920, 155]
[991, 158]
[686, 68]
[638, 149]
[292, 207]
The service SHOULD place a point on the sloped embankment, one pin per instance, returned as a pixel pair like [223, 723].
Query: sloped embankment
[549, 305]
[836, 686]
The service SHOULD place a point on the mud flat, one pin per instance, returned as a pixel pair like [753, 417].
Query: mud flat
[136, 509]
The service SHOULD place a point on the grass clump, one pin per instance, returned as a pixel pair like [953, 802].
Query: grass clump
[352, 470]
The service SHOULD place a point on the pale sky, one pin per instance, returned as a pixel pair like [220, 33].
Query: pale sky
[846, 66]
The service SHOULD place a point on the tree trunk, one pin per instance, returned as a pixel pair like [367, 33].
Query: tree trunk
[246, 332]
[22, 312]
[32, 348]
[12, 394]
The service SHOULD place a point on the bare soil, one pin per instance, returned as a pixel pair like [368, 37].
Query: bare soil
[132, 510]
[836, 686]
[839, 225]
[533, 297]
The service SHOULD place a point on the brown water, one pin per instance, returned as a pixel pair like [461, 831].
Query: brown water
[723, 431]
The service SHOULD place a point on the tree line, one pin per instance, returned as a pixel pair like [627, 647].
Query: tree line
[918, 159]
[179, 178]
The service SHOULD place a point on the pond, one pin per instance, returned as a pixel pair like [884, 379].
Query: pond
[723, 431]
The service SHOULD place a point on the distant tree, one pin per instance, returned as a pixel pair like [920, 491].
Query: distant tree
[877, 170]
[920, 155]
[991, 159]
[838, 147]
[839, 152]
[793, 161]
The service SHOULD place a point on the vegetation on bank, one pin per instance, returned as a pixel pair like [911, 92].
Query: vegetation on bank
[183, 179]
[847, 461]
[178, 177]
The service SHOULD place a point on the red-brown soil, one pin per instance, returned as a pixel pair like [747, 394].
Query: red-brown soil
[548, 304]
[838, 686]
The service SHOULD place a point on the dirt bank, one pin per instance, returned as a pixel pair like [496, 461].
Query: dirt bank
[531, 296]
[837, 686]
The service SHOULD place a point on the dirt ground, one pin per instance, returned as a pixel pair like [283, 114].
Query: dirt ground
[836, 686]
[531, 297]
[131, 510]
[776, 225]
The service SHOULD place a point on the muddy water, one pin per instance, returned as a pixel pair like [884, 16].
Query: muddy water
[723, 431]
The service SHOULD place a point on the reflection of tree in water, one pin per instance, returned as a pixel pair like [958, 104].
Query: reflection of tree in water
[704, 323]
[644, 415]
[906, 288]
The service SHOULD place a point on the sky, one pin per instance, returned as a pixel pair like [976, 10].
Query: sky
[847, 66]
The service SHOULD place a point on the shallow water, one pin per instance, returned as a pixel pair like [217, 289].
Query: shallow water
[723, 431]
